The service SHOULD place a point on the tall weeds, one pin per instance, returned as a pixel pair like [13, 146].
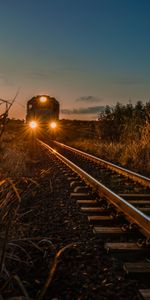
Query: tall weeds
[132, 154]
[122, 135]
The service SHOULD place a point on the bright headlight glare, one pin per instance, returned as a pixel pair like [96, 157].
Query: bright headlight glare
[43, 99]
[53, 125]
[33, 124]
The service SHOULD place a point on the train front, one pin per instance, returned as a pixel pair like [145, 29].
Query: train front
[42, 113]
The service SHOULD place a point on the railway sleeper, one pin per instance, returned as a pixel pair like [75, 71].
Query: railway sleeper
[135, 196]
[126, 250]
[139, 202]
[141, 267]
[145, 294]
[108, 231]
[97, 220]
[85, 203]
[81, 196]
[93, 210]
[145, 210]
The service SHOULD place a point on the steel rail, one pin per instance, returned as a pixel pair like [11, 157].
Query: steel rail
[132, 214]
[127, 173]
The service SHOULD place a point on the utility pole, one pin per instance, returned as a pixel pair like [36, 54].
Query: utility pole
[4, 116]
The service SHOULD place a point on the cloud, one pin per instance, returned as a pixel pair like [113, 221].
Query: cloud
[88, 99]
[87, 110]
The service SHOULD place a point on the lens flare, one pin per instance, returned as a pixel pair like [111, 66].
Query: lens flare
[53, 125]
[33, 124]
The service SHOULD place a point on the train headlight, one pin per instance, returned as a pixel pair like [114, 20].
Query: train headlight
[53, 125]
[43, 99]
[33, 124]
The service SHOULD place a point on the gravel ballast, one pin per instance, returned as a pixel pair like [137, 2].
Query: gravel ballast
[47, 221]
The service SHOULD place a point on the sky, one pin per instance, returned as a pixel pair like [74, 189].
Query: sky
[85, 53]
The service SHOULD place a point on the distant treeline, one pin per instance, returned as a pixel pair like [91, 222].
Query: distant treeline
[124, 122]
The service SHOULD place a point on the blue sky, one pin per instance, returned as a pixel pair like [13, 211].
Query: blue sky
[86, 53]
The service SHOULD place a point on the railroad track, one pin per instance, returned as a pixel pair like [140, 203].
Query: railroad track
[117, 204]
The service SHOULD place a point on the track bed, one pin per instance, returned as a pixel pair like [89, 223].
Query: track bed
[47, 221]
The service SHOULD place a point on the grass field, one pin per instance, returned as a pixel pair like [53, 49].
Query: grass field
[130, 152]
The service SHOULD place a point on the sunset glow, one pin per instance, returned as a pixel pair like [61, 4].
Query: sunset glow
[86, 54]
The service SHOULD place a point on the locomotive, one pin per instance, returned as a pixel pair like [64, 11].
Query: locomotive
[42, 111]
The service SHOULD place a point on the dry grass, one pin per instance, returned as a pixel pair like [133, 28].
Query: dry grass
[14, 234]
[53, 268]
[15, 187]
[133, 155]
[14, 244]
[15, 154]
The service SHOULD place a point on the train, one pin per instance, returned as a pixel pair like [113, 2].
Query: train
[42, 112]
